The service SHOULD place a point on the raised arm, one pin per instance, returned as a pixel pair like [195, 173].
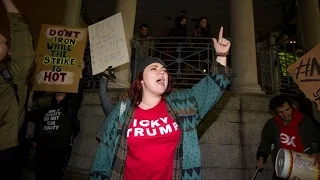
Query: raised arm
[205, 94]
[22, 52]
[10, 7]
[104, 100]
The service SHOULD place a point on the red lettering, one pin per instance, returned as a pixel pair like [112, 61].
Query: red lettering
[52, 32]
[60, 32]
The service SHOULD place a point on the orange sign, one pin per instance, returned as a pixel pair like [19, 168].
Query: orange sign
[306, 73]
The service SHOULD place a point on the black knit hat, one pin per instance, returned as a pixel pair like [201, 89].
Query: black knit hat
[143, 62]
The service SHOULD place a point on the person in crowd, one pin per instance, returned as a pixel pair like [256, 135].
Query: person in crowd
[142, 46]
[144, 29]
[56, 127]
[288, 129]
[151, 133]
[180, 29]
[16, 60]
[202, 29]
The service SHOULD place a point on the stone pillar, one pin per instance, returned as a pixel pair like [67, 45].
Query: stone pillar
[72, 13]
[243, 49]
[309, 17]
[128, 11]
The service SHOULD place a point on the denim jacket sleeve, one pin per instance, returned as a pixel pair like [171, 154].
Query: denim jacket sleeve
[102, 164]
[104, 100]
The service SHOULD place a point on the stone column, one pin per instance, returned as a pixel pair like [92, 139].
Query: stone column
[72, 13]
[309, 18]
[243, 49]
[128, 11]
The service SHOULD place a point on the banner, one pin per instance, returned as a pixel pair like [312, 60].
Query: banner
[108, 45]
[306, 73]
[59, 59]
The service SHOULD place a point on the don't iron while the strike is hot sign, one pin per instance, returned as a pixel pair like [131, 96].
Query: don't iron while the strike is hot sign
[59, 58]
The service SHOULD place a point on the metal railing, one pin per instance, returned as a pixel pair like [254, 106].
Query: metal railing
[188, 60]
[273, 62]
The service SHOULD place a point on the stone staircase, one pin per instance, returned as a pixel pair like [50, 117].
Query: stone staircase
[229, 136]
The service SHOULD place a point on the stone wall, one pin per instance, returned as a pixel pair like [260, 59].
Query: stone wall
[229, 136]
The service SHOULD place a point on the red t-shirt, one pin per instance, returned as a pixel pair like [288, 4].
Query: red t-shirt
[152, 140]
[289, 135]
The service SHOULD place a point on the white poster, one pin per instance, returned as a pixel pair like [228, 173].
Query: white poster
[108, 45]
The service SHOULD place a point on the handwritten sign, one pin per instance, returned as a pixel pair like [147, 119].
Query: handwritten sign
[108, 44]
[306, 73]
[59, 58]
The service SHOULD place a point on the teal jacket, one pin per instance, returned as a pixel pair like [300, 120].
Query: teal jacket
[189, 106]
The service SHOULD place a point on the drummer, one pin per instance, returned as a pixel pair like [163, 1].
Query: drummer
[288, 129]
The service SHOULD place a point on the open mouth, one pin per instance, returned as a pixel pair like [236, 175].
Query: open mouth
[160, 81]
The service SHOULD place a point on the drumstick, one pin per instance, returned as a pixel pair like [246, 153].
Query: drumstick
[255, 174]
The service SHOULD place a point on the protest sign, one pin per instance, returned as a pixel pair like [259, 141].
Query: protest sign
[306, 73]
[108, 45]
[59, 58]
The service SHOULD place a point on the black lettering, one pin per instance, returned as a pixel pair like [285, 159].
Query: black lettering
[72, 63]
[315, 66]
[62, 76]
[46, 60]
[47, 76]
[301, 65]
[55, 76]
[73, 42]
[67, 62]
[59, 61]
[53, 60]
[58, 68]
[55, 46]
[49, 46]
[76, 34]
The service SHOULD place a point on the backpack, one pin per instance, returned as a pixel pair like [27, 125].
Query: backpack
[7, 76]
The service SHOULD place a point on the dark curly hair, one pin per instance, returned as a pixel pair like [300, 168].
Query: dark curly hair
[278, 101]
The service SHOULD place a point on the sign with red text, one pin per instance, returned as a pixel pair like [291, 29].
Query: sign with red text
[59, 59]
[306, 73]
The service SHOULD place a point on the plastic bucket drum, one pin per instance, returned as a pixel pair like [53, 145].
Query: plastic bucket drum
[295, 166]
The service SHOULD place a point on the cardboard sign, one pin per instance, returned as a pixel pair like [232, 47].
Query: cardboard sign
[59, 58]
[306, 73]
[108, 45]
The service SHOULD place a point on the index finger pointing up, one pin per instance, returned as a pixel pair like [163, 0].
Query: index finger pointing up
[221, 33]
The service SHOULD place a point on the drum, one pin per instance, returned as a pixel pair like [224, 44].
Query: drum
[295, 166]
